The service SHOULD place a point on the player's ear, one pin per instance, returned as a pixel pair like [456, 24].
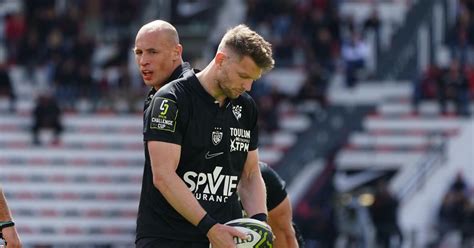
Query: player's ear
[178, 51]
[220, 57]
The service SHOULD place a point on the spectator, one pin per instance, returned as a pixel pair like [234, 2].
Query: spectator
[47, 114]
[425, 86]
[384, 214]
[6, 86]
[467, 228]
[314, 86]
[454, 86]
[373, 25]
[451, 215]
[459, 183]
[14, 32]
[349, 225]
[354, 54]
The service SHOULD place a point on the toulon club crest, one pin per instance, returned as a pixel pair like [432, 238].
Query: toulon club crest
[216, 137]
[237, 110]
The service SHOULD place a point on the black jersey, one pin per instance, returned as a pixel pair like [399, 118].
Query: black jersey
[147, 183]
[275, 185]
[214, 145]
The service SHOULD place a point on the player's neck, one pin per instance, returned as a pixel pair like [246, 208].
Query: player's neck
[208, 81]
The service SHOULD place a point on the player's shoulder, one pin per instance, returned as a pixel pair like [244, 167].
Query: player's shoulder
[266, 170]
[263, 166]
[177, 87]
[270, 175]
[245, 97]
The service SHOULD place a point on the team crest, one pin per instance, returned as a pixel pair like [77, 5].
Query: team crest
[216, 137]
[237, 110]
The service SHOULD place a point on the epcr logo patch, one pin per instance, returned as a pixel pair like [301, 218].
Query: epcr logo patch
[164, 114]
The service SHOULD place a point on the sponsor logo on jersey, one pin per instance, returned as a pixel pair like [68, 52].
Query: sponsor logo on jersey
[212, 155]
[214, 187]
[237, 110]
[239, 140]
[163, 114]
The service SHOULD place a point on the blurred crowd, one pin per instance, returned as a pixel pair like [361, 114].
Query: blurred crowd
[452, 82]
[313, 36]
[79, 49]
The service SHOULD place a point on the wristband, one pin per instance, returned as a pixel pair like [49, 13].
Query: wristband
[261, 217]
[5, 224]
[206, 223]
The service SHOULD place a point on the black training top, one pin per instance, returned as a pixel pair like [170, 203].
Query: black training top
[214, 145]
[275, 185]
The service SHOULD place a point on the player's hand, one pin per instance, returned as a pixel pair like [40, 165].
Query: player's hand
[269, 228]
[222, 236]
[11, 237]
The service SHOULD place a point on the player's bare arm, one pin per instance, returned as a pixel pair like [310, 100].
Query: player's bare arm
[9, 232]
[280, 220]
[251, 187]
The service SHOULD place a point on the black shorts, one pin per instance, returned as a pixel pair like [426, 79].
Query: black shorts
[169, 243]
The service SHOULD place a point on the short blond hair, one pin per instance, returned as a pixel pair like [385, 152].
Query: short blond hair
[246, 42]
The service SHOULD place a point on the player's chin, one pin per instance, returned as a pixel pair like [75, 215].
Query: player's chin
[148, 82]
[235, 94]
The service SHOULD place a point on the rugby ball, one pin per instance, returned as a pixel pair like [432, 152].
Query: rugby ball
[260, 236]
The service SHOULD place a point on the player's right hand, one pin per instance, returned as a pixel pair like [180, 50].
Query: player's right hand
[222, 236]
[11, 237]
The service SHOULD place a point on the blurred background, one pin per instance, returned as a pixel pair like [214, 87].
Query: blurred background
[367, 115]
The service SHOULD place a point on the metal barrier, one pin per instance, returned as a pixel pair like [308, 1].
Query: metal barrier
[423, 169]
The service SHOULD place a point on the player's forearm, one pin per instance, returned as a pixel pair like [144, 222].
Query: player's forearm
[280, 219]
[4, 210]
[164, 159]
[179, 197]
[252, 194]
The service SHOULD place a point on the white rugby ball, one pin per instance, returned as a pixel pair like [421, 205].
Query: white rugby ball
[260, 236]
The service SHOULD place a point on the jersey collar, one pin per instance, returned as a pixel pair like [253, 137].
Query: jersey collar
[177, 73]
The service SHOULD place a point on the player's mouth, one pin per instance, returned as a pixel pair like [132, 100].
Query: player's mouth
[146, 74]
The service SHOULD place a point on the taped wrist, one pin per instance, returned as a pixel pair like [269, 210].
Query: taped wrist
[261, 217]
[206, 223]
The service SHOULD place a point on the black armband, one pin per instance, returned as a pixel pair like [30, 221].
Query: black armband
[261, 217]
[5, 224]
[206, 223]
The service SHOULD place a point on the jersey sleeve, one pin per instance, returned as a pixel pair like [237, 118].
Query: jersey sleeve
[275, 185]
[162, 120]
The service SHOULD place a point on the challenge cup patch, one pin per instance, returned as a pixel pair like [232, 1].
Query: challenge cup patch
[163, 115]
